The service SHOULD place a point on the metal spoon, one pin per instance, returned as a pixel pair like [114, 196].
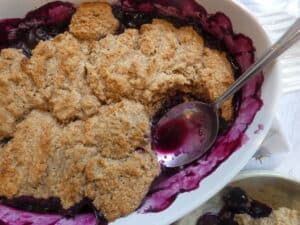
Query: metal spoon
[189, 129]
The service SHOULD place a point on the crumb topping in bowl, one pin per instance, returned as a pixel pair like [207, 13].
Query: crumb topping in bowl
[241, 209]
[281, 216]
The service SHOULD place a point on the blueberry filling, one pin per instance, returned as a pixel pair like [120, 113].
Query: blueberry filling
[52, 206]
[30, 204]
[236, 201]
[41, 24]
[131, 19]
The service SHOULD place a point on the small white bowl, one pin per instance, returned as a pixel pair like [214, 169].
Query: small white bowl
[267, 187]
[243, 22]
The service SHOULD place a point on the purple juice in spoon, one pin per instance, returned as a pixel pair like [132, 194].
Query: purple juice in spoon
[179, 129]
[184, 134]
[171, 135]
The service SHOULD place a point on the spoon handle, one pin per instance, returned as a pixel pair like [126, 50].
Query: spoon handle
[286, 41]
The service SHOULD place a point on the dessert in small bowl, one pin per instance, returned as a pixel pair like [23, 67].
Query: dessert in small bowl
[83, 86]
[256, 197]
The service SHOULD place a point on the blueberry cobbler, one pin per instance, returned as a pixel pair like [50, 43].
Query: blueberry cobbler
[240, 209]
[82, 88]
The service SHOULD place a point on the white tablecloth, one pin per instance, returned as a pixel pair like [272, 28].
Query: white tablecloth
[276, 16]
[289, 115]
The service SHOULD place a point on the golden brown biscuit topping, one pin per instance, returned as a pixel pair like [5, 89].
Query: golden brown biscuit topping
[81, 106]
[93, 21]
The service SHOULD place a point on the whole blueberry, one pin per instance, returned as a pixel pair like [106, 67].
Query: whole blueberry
[236, 200]
[258, 209]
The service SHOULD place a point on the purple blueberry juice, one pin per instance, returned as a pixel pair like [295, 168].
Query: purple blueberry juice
[170, 135]
[41, 24]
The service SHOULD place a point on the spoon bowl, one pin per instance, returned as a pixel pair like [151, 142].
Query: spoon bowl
[185, 133]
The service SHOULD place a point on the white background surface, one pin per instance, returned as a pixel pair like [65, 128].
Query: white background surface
[276, 16]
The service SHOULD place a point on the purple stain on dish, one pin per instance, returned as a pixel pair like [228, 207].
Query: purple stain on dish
[260, 127]
[86, 219]
[82, 211]
[10, 216]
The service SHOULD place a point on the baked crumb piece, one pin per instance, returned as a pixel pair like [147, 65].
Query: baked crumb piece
[123, 127]
[103, 149]
[120, 186]
[114, 69]
[57, 68]
[216, 75]
[281, 216]
[17, 92]
[31, 163]
[24, 160]
[117, 130]
[93, 21]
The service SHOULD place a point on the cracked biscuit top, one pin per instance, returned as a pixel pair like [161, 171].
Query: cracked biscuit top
[79, 110]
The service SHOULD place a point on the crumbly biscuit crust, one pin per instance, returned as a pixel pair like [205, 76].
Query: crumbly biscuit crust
[93, 20]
